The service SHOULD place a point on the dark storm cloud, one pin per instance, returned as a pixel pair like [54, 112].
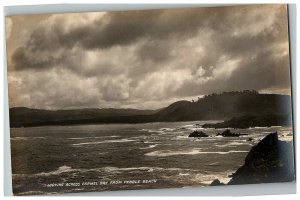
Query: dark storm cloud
[22, 61]
[125, 28]
[141, 58]
[119, 28]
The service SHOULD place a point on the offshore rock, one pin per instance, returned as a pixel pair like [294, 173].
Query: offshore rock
[228, 133]
[198, 134]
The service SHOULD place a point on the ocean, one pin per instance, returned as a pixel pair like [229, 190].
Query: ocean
[108, 157]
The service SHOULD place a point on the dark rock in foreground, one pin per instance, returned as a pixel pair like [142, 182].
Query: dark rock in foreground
[269, 161]
[198, 134]
[252, 121]
[216, 182]
[227, 133]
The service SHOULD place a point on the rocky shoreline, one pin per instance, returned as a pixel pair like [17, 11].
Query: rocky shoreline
[226, 133]
[269, 161]
[248, 121]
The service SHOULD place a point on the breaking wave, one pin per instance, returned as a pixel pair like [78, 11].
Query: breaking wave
[190, 152]
[105, 141]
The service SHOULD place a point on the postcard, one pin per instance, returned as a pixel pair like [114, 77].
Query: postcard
[165, 98]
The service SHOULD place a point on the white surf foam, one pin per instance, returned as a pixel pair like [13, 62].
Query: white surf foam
[82, 138]
[25, 138]
[61, 169]
[184, 174]
[150, 146]
[234, 143]
[166, 129]
[190, 152]
[149, 142]
[148, 169]
[105, 141]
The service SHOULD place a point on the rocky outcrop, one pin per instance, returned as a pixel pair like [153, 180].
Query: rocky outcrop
[216, 182]
[228, 133]
[198, 134]
[271, 160]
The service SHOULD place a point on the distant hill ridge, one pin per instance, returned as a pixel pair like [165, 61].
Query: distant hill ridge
[222, 106]
[227, 105]
[22, 116]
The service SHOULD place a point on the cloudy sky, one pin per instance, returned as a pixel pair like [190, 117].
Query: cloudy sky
[145, 59]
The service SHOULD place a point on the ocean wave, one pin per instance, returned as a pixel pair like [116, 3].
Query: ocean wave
[113, 169]
[82, 138]
[150, 146]
[153, 131]
[165, 153]
[166, 129]
[188, 125]
[148, 169]
[183, 174]
[61, 169]
[182, 137]
[25, 138]
[234, 143]
[258, 127]
[149, 142]
[190, 152]
[105, 141]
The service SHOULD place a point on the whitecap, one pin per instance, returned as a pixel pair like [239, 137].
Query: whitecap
[150, 146]
[18, 138]
[149, 142]
[188, 125]
[166, 129]
[258, 127]
[148, 169]
[184, 174]
[190, 152]
[234, 143]
[61, 169]
[181, 137]
[82, 138]
[113, 169]
[105, 141]
[25, 138]
[144, 129]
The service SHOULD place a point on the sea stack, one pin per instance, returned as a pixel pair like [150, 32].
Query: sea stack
[198, 134]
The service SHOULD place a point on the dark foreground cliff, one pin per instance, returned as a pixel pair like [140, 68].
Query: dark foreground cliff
[271, 160]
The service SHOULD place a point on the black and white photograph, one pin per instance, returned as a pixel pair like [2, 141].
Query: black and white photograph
[149, 99]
